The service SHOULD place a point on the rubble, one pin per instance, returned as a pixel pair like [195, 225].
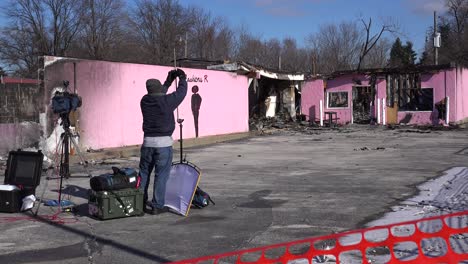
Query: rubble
[367, 149]
[90, 150]
[283, 122]
[422, 128]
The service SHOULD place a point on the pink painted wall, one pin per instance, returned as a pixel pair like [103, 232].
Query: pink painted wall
[312, 92]
[461, 93]
[443, 83]
[346, 83]
[340, 84]
[18, 135]
[381, 94]
[111, 117]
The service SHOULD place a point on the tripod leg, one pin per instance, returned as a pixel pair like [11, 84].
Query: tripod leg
[42, 196]
[59, 147]
[80, 154]
[62, 173]
[65, 158]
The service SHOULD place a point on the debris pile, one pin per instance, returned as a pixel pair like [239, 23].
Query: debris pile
[422, 129]
[282, 121]
[367, 149]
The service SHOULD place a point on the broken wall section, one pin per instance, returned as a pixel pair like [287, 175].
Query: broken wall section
[312, 96]
[19, 113]
[272, 97]
[461, 80]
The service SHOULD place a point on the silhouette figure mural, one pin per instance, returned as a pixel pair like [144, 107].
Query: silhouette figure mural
[196, 103]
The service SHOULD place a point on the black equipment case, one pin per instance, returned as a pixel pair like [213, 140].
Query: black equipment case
[116, 204]
[24, 170]
[10, 199]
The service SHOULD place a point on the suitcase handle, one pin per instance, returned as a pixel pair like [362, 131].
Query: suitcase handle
[120, 201]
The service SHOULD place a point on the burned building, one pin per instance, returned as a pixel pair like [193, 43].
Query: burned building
[270, 91]
[419, 95]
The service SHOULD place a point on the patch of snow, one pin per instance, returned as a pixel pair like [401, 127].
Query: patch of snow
[439, 196]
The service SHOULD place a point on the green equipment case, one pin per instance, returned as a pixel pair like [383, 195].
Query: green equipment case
[116, 204]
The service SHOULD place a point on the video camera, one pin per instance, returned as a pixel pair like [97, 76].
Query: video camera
[65, 102]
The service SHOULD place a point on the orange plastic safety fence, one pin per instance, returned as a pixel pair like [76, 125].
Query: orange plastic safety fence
[440, 239]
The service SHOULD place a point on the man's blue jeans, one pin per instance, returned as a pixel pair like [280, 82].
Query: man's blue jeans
[159, 159]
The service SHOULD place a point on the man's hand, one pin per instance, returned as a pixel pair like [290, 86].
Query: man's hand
[172, 74]
[180, 73]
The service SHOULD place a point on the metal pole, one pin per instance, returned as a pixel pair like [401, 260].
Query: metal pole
[321, 113]
[186, 45]
[383, 112]
[436, 50]
[175, 68]
[447, 110]
[178, 119]
[181, 146]
[378, 111]
[74, 77]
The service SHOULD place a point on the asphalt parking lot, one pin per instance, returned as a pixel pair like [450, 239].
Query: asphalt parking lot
[268, 189]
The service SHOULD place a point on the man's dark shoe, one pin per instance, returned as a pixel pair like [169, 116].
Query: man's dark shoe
[156, 211]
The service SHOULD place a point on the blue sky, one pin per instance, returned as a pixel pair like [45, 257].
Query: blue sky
[300, 18]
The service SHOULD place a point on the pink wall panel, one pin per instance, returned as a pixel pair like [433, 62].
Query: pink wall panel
[461, 93]
[344, 84]
[111, 92]
[312, 93]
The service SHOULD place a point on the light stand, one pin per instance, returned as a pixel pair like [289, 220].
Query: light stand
[179, 120]
[181, 139]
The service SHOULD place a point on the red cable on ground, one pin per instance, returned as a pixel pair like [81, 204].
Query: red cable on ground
[54, 218]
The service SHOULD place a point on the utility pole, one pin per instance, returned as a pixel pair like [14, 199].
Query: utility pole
[436, 41]
[279, 62]
[313, 65]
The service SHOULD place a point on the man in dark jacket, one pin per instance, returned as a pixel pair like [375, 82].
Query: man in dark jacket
[158, 108]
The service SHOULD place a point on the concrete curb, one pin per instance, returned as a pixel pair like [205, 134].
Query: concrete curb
[132, 151]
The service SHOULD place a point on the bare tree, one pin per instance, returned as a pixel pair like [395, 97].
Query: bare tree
[378, 56]
[102, 27]
[294, 59]
[160, 24]
[202, 33]
[453, 29]
[458, 12]
[224, 41]
[17, 52]
[336, 47]
[456, 22]
[248, 47]
[49, 25]
[271, 53]
[371, 40]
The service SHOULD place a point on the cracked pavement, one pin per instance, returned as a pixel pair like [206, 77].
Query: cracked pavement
[268, 189]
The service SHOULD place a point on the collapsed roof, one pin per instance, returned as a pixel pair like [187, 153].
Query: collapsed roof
[245, 68]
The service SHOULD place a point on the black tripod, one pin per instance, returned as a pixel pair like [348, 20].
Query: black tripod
[66, 138]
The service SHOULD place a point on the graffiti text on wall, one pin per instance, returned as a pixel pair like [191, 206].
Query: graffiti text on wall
[198, 79]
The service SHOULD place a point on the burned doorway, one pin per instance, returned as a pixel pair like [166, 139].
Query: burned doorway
[362, 97]
[271, 97]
